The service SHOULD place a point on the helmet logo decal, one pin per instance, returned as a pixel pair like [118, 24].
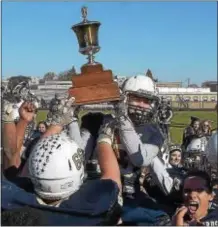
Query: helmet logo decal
[67, 185]
[78, 158]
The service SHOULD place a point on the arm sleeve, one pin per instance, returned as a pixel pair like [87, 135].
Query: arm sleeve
[83, 138]
[161, 176]
[140, 154]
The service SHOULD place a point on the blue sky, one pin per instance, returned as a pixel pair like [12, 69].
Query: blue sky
[176, 40]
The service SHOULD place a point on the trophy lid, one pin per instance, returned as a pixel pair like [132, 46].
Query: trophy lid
[85, 21]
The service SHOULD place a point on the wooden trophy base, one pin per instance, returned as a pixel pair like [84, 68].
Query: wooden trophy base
[94, 85]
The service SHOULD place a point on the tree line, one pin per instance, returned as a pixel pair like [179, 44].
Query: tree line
[67, 76]
[62, 76]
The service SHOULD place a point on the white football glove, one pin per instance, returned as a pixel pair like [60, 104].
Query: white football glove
[61, 113]
[10, 111]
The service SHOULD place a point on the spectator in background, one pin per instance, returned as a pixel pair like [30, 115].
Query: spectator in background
[206, 128]
[41, 127]
[31, 141]
[165, 115]
[36, 134]
[192, 131]
[175, 155]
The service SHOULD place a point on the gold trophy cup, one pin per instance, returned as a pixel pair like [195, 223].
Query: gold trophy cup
[87, 35]
[93, 84]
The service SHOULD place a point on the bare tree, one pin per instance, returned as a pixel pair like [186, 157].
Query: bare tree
[67, 75]
[49, 76]
[15, 80]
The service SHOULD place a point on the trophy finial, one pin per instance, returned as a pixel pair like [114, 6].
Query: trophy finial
[84, 13]
[87, 35]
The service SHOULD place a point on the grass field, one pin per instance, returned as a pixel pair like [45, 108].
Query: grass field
[179, 122]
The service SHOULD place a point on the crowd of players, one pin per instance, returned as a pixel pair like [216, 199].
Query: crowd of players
[112, 169]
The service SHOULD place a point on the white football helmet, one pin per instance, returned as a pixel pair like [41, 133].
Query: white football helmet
[56, 167]
[212, 150]
[194, 155]
[142, 86]
[197, 144]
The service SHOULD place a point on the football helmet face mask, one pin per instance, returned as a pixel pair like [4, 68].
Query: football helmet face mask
[142, 98]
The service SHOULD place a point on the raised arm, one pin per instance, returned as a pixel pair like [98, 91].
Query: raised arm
[13, 135]
[82, 137]
[106, 157]
[26, 112]
[9, 144]
[140, 153]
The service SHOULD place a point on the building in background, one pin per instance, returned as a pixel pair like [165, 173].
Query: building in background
[210, 84]
[192, 95]
[169, 84]
[34, 80]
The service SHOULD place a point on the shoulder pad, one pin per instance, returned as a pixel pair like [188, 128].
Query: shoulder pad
[104, 194]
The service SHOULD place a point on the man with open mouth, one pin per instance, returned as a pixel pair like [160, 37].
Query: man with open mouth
[198, 208]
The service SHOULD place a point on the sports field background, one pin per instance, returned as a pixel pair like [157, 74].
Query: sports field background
[180, 120]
